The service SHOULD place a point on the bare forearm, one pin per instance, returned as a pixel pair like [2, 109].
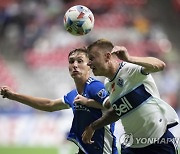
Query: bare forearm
[108, 118]
[151, 64]
[35, 102]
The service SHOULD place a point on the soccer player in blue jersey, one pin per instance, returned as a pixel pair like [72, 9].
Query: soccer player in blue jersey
[88, 90]
[134, 98]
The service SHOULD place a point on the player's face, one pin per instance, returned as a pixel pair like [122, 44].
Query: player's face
[78, 67]
[98, 61]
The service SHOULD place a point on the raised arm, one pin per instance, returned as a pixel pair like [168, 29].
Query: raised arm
[149, 64]
[43, 104]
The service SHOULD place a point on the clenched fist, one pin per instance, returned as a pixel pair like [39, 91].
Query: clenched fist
[6, 92]
[121, 52]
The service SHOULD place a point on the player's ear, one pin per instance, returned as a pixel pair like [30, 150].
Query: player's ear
[107, 56]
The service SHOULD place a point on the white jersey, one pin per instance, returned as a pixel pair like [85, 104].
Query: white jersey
[150, 118]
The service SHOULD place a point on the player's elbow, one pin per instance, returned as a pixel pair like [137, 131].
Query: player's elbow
[48, 106]
[158, 66]
[161, 66]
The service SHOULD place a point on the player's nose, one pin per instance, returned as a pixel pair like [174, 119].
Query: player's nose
[75, 64]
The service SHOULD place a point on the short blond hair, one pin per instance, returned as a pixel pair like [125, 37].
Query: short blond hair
[101, 43]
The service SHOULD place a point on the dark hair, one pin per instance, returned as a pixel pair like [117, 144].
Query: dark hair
[83, 50]
[102, 43]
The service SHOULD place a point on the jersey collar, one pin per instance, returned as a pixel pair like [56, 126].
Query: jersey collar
[120, 66]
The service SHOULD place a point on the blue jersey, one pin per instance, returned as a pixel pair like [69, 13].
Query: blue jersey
[104, 140]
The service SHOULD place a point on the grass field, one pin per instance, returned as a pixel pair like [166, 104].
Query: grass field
[39, 150]
[64, 149]
[28, 150]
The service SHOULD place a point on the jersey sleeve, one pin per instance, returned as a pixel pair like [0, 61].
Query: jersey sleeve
[69, 98]
[98, 92]
[135, 69]
[135, 72]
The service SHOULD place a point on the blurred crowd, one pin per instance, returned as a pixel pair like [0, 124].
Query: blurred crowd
[32, 35]
[33, 30]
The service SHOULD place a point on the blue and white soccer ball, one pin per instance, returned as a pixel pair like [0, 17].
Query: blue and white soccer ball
[79, 20]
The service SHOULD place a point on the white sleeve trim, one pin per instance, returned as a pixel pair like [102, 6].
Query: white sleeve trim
[65, 102]
[104, 102]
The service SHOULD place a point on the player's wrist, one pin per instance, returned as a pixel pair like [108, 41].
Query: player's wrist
[13, 96]
[129, 59]
[86, 101]
[92, 126]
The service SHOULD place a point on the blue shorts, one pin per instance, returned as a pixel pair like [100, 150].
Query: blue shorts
[156, 148]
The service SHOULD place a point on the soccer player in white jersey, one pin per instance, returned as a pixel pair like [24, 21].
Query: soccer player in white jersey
[94, 96]
[134, 98]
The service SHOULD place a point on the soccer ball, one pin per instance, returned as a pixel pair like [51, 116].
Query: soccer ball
[78, 20]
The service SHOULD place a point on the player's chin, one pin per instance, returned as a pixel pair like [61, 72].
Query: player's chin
[74, 76]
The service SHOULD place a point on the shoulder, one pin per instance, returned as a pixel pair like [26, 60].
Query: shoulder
[96, 87]
[69, 97]
[72, 93]
[93, 82]
[126, 65]
[96, 90]
[130, 67]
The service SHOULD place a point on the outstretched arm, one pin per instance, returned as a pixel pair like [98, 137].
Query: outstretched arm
[149, 64]
[108, 118]
[35, 102]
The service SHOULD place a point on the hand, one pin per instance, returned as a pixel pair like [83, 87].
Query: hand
[81, 100]
[121, 52]
[87, 135]
[6, 92]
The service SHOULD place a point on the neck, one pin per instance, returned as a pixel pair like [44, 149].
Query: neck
[80, 83]
[113, 67]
